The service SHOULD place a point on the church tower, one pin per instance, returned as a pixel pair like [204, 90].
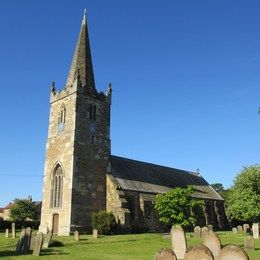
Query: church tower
[77, 148]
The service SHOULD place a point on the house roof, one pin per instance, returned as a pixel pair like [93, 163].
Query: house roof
[146, 177]
[9, 206]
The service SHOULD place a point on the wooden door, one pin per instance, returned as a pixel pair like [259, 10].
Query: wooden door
[55, 224]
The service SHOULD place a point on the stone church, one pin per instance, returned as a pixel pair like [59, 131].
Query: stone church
[82, 177]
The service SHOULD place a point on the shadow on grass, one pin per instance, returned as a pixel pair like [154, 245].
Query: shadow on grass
[43, 252]
[50, 251]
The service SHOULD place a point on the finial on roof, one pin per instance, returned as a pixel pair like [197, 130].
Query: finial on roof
[85, 11]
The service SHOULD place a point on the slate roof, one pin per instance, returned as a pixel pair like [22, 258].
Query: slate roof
[150, 178]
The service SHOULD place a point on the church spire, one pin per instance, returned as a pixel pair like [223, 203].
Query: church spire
[81, 66]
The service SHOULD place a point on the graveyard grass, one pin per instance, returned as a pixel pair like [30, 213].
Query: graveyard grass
[139, 246]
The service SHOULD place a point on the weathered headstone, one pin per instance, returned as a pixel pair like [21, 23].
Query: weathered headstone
[249, 243]
[32, 243]
[47, 239]
[204, 231]
[95, 233]
[197, 231]
[20, 243]
[212, 241]
[13, 230]
[255, 228]
[239, 229]
[210, 227]
[232, 252]
[38, 244]
[7, 232]
[245, 228]
[198, 252]
[178, 238]
[27, 240]
[76, 235]
[165, 254]
[234, 230]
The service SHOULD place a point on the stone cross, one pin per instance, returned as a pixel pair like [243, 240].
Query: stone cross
[204, 231]
[178, 238]
[249, 243]
[239, 229]
[7, 232]
[255, 228]
[232, 252]
[234, 230]
[76, 235]
[197, 231]
[95, 233]
[47, 239]
[245, 228]
[13, 230]
[38, 244]
[198, 252]
[165, 254]
[212, 241]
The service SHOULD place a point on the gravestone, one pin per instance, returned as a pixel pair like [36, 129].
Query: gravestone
[249, 243]
[76, 235]
[245, 228]
[13, 230]
[234, 230]
[204, 231]
[198, 252]
[20, 243]
[212, 242]
[47, 239]
[210, 227]
[197, 231]
[178, 238]
[255, 228]
[232, 252]
[32, 243]
[239, 229]
[95, 233]
[165, 254]
[27, 240]
[38, 244]
[7, 232]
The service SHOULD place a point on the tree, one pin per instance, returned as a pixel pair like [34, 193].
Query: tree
[244, 197]
[175, 206]
[219, 188]
[22, 210]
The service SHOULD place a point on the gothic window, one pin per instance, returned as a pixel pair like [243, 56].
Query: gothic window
[92, 110]
[148, 209]
[61, 118]
[57, 186]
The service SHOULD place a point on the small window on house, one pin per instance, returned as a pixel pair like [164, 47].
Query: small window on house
[57, 187]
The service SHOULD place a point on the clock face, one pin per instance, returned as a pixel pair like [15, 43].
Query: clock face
[92, 128]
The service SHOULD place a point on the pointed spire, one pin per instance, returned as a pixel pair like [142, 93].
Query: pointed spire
[82, 62]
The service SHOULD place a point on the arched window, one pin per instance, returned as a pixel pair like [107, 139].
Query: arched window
[57, 186]
[61, 118]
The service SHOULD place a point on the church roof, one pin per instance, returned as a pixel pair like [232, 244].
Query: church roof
[146, 177]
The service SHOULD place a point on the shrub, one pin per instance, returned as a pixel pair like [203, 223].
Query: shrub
[104, 222]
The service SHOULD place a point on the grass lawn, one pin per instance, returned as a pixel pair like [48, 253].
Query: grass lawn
[140, 246]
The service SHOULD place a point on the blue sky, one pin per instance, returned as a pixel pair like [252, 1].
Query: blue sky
[185, 77]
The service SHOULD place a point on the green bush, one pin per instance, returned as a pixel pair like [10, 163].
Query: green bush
[104, 222]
